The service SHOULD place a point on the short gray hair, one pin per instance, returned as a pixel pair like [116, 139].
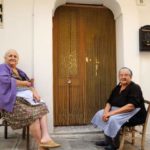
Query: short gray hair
[131, 74]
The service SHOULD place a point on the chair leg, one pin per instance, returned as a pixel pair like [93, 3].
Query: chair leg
[133, 135]
[122, 139]
[143, 141]
[24, 133]
[28, 138]
[5, 130]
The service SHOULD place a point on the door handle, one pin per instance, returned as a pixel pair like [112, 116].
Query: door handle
[87, 59]
[96, 66]
[69, 81]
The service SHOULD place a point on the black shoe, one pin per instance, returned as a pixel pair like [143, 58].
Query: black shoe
[110, 147]
[101, 143]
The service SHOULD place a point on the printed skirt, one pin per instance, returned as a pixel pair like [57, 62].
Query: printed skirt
[24, 113]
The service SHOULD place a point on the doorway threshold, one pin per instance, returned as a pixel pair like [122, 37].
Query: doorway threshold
[83, 129]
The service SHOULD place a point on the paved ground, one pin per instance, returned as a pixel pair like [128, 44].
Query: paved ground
[70, 138]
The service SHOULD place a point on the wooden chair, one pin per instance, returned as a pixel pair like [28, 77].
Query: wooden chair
[5, 127]
[25, 133]
[141, 129]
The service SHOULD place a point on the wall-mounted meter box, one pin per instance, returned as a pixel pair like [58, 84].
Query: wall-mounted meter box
[144, 38]
[1, 13]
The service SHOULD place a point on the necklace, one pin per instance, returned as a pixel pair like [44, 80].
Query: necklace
[15, 72]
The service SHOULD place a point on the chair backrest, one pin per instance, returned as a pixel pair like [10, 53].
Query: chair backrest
[0, 119]
[148, 112]
[132, 129]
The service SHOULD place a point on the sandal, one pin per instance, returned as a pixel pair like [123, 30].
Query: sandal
[42, 148]
[49, 144]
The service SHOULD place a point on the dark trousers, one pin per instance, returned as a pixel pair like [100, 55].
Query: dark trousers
[113, 141]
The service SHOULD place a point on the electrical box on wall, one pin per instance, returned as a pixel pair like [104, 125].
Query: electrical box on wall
[144, 38]
[1, 13]
[140, 2]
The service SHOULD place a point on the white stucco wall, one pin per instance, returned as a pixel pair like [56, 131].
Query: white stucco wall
[43, 55]
[17, 31]
[144, 56]
[28, 29]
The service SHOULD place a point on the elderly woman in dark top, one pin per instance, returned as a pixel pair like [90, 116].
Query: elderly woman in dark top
[20, 103]
[124, 106]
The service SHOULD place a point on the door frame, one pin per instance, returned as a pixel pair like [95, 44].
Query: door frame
[43, 47]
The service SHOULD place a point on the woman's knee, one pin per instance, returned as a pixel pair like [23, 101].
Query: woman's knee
[35, 124]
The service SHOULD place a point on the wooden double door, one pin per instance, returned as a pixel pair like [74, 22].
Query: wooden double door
[84, 62]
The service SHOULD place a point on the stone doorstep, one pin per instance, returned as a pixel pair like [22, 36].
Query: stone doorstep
[76, 130]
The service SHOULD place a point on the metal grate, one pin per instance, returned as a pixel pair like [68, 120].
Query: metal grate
[1, 13]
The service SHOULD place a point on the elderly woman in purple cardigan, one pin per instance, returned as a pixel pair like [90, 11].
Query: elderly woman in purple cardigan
[20, 103]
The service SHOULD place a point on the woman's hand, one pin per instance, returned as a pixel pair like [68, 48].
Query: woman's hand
[23, 83]
[106, 113]
[105, 117]
[27, 83]
[36, 95]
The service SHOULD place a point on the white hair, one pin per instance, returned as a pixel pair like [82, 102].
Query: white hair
[9, 51]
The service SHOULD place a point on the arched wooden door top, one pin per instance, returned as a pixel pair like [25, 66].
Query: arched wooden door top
[84, 62]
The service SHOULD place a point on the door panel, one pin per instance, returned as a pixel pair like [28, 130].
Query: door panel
[100, 58]
[84, 62]
[68, 77]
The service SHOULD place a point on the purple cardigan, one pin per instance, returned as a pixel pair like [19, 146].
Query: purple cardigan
[8, 87]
